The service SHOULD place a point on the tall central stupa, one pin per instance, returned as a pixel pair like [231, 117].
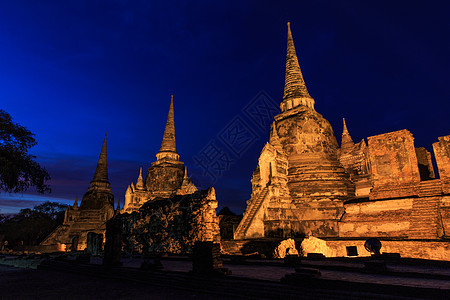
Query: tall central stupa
[299, 185]
[166, 177]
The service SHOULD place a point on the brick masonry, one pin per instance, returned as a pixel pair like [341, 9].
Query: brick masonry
[171, 225]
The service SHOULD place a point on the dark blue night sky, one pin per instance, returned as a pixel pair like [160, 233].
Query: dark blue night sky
[72, 70]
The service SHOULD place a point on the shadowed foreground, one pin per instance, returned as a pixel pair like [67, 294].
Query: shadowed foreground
[66, 278]
[18, 283]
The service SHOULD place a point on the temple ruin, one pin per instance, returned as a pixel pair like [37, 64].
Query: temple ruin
[305, 184]
[166, 177]
[171, 225]
[97, 207]
[167, 214]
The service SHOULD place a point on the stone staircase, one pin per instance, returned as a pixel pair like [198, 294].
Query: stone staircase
[424, 218]
[57, 232]
[250, 214]
[430, 188]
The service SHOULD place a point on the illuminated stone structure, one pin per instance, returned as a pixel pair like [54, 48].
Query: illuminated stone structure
[403, 203]
[299, 185]
[355, 160]
[171, 225]
[97, 207]
[166, 177]
[305, 184]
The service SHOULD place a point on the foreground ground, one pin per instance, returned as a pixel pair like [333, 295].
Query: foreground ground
[19, 283]
[251, 279]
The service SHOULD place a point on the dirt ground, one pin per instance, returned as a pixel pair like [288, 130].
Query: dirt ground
[18, 283]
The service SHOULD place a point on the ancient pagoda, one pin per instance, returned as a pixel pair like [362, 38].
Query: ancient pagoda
[97, 207]
[166, 177]
[299, 185]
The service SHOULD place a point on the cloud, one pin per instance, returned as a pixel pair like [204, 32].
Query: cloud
[13, 203]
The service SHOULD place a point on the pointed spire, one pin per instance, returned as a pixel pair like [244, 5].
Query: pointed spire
[295, 91]
[140, 181]
[345, 130]
[99, 193]
[101, 172]
[168, 146]
[76, 202]
[346, 142]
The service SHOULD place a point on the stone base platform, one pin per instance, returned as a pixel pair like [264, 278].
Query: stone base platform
[421, 249]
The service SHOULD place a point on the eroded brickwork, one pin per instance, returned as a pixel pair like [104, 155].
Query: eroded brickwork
[442, 154]
[97, 207]
[377, 218]
[355, 160]
[395, 171]
[171, 225]
[444, 211]
[305, 184]
[166, 177]
[299, 185]
[425, 164]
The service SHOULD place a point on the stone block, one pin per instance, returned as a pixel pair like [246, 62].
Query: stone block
[285, 247]
[315, 245]
[394, 165]
[442, 154]
[425, 164]
[113, 244]
[206, 257]
[94, 243]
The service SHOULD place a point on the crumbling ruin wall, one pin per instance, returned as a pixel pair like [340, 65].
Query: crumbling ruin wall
[425, 164]
[171, 225]
[355, 160]
[445, 216]
[395, 171]
[388, 218]
[442, 154]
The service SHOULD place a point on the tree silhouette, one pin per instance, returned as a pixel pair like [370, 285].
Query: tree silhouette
[30, 226]
[18, 169]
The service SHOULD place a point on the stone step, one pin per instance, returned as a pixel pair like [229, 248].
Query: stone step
[422, 215]
[418, 236]
[423, 231]
[424, 222]
[426, 205]
[428, 183]
[254, 206]
[419, 211]
[430, 194]
[423, 226]
[420, 228]
[425, 208]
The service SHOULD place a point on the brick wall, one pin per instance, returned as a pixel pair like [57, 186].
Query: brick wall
[171, 225]
[394, 165]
